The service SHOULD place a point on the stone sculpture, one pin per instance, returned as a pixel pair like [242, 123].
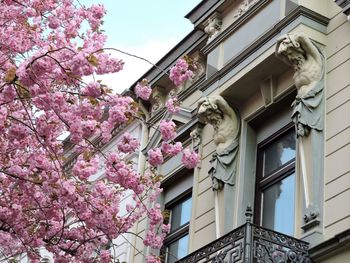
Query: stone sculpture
[308, 63]
[216, 111]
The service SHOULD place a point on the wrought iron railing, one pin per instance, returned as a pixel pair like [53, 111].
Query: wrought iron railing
[250, 243]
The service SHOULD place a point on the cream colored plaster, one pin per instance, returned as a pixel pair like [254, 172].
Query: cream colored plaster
[338, 39]
[338, 99]
[338, 58]
[319, 6]
[338, 79]
[337, 208]
[203, 175]
[332, 8]
[311, 33]
[204, 185]
[336, 228]
[204, 220]
[195, 194]
[208, 150]
[337, 164]
[205, 203]
[139, 258]
[336, 21]
[204, 236]
[337, 142]
[337, 121]
[339, 185]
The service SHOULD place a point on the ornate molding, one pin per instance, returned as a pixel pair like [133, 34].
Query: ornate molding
[157, 99]
[244, 7]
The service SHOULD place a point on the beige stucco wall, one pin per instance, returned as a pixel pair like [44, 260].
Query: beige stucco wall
[337, 145]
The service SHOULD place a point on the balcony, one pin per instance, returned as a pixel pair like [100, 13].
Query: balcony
[250, 243]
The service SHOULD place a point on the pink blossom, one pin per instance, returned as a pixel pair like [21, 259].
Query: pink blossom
[171, 149]
[190, 159]
[93, 89]
[172, 105]
[50, 47]
[167, 130]
[180, 72]
[128, 144]
[152, 259]
[143, 90]
[155, 157]
[105, 256]
[166, 228]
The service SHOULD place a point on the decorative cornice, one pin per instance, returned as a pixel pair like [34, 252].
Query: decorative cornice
[199, 13]
[297, 12]
[345, 5]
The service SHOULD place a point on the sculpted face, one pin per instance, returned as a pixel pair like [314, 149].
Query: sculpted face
[209, 112]
[292, 51]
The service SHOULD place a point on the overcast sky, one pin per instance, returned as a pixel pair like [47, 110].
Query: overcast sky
[145, 28]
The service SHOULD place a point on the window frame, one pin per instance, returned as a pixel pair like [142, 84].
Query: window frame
[264, 182]
[182, 230]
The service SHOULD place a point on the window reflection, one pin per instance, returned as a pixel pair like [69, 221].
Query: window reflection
[278, 206]
[176, 243]
[178, 249]
[181, 214]
[279, 153]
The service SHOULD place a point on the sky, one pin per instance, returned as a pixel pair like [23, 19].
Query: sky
[148, 29]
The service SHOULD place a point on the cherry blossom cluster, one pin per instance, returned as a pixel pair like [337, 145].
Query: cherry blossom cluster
[48, 198]
[128, 144]
[172, 105]
[180, 72]
[143, 90]
[53, 126]
[190, 159]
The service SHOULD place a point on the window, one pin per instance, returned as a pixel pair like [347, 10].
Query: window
[176, 243]
[275, 183]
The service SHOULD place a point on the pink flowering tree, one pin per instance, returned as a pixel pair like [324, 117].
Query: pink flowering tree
[46, 50]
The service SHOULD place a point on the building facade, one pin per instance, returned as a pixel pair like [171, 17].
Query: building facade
[267, 110]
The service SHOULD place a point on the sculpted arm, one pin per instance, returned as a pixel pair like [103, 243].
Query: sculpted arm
[225, 107]
[309, 47]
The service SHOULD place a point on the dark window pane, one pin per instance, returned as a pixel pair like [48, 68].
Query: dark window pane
[278, 206]
[279, 153]
[180, 214]
[177, 249]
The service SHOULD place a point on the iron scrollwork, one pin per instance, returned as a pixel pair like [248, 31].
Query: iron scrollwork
[259, 245]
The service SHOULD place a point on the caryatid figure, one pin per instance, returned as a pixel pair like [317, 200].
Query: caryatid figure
[308, 63]
[216, 111]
